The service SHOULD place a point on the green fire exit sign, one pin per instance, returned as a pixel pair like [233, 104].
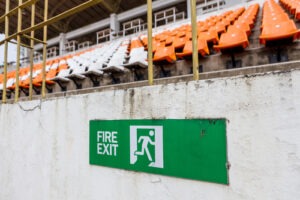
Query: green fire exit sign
[193, 149]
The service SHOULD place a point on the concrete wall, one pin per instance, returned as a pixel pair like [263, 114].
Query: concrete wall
[44, 146]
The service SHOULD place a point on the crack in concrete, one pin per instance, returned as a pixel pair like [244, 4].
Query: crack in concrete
[39, 106]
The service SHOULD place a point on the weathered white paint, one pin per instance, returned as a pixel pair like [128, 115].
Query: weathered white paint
[44, 151]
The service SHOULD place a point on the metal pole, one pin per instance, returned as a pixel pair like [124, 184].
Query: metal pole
[150, 56]
[18, 51]
[31, 51]
[188, 3]
[5, 53]
[44, 51]
[194, 40]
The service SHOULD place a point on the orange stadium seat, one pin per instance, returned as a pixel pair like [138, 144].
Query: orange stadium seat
[165, 53]
[276, 25]
[293, 6]
[211, 36]
[234, 38]
[188, 49]
[220, 27]
[278, 31]
[180, 41]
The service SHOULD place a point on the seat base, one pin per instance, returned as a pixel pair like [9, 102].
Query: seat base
[279, 42]
[93, 72]
[136, 64]
[113, 69]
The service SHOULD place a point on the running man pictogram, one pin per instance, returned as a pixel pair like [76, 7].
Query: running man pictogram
[146, 140]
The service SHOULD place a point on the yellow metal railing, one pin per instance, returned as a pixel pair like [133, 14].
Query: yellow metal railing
[150, 52]
[31, 51]
[5, 51]
[19, 28]
[194, 40]
[44, 50]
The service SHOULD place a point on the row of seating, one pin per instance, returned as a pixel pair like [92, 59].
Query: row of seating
[170, 45]
[276, 25]
[237, 34]
[110, 57]
[293, 6]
